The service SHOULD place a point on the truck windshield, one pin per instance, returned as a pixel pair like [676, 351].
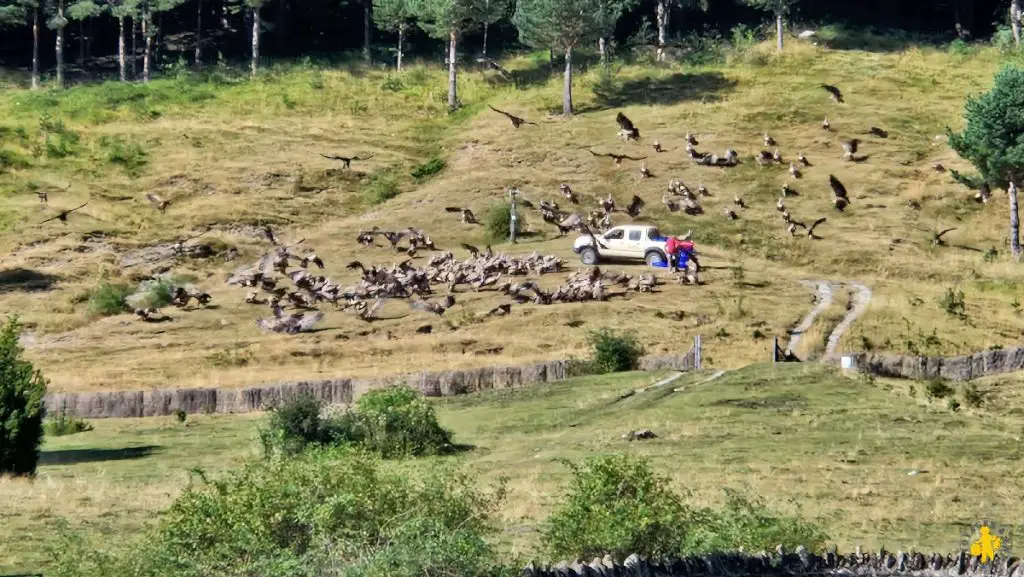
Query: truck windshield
[654, 234]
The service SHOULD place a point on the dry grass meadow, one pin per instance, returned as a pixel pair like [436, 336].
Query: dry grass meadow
[229, 152]
[876, 463]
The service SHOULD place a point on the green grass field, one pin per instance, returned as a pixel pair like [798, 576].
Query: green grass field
[228, 152]
[832, 449]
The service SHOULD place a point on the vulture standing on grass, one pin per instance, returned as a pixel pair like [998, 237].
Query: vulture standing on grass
[467, 215]
[768, 140]
[568, 193]
[825, 125]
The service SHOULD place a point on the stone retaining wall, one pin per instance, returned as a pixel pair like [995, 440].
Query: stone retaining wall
[786, 564]
[333, 391]
[962, 368]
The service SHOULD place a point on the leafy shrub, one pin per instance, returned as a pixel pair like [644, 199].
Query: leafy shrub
[397, 421]
[973, 397]
[499, 222]
[325, 512]
[109, 299]
[428, 168]
[152, 294]
[952, 302]
[58, 140]
[616, 504]
[382, 186]
[65, 424]
[952, 404]
[615, 351]
[130, 156]
[393, 422]
[392, 83]
[11, 159]
[294, 424]
[22, 389]
[180, 415]
[938, 389]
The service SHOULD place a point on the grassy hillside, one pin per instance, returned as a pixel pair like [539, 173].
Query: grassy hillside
[230, 153]
[874, 463]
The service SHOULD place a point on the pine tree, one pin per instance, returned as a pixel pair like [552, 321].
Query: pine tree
[80, 11]
[562, 23]
[22, 390]
[993, 140]
[447, 19]
[779, 8]
[491, 11]
[393, 16]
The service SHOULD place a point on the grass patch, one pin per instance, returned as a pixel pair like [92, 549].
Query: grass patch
[382, 186]
[428, 168]
[130, 156]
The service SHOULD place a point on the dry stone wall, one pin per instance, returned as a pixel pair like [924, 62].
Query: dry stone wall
[781, 563]
[962, 368]
[333, 391]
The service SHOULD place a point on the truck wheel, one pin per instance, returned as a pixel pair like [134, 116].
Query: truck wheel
[588, 256]
[654, 258]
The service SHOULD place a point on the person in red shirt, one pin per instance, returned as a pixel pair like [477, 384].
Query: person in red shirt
[677, 249]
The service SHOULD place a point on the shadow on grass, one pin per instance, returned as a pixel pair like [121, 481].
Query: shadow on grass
[27, 280]
[872, 40]
[76, 456]
[673, 89]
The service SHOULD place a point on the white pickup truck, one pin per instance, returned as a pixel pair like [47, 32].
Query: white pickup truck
[630, 241]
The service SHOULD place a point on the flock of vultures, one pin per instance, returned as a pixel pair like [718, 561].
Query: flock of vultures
[285, 278]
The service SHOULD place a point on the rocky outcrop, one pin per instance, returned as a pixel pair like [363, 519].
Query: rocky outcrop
[800, 562]
[962, 368]
[332, 391]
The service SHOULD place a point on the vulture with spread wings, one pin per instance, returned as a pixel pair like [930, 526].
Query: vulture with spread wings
[516, 121]
[626, 127]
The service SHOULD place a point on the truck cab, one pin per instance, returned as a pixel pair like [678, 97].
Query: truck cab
[624, 242]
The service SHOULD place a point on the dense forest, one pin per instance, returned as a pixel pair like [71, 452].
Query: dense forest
[68, 40]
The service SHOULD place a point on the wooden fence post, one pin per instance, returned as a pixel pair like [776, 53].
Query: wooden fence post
[775, 350]
[696, 353]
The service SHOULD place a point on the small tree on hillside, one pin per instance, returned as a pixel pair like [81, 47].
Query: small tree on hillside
[664, 8]
[993, 141]
[778, 7]
[606, 19]
[562, 23]
[22, 389]
[393, 16]
[1015, 20]
[446, 19]
[253, 7]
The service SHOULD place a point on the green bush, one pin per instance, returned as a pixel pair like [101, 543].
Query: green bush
[952, 302]
[22, 389]
[109, 299]
[393, 422]
[499, 222]
[324, 512]
[152, 294]
[64, 424]
[616, 504]
[382, 186]
[428, 168]
[397, 421]
[180, 415]
[128, 155]
[615, 351]
[938, 389]
[973, 397]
